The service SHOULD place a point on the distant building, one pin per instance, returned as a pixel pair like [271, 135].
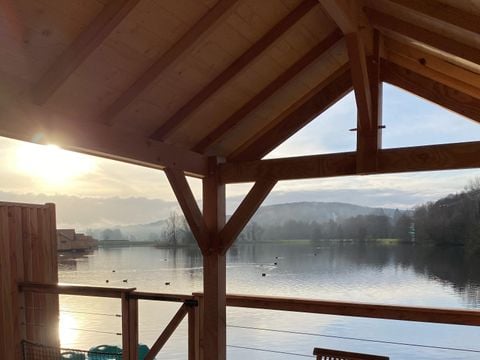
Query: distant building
[69, 240]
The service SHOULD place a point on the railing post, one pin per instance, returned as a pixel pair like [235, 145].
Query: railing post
[129, 327]
[192, 330]
[198, 313]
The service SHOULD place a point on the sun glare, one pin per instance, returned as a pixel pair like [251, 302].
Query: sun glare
[52, 164]
[67, 329]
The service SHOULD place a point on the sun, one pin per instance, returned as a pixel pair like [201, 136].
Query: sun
[52, 164]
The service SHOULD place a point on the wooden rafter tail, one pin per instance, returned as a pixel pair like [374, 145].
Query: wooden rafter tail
[202, 28]
[297, 116]
[443, 12]
[95, 33]
[234, 69]
[381, 20]
[268, 91]
[189, 206]
[443, 95]
[410, 159]
[245, 211]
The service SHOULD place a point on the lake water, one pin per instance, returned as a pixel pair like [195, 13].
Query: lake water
[373, 273]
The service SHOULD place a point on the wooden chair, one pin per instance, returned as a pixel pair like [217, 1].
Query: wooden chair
[327, 354]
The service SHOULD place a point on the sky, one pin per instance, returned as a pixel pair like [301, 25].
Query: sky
[93, 192]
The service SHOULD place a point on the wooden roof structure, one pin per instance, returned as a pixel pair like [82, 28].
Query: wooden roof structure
[209, 87]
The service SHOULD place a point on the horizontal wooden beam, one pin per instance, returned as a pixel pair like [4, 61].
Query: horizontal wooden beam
[233, 69]
[413, 31]
[88, 40]
[376, 311]
[410, 159]
[431, 90]
[244, 213]
[268, 91]
[189, 206]
[297, 116]
[202, 28]
[100, 140]
[79, 290]
[444, 12]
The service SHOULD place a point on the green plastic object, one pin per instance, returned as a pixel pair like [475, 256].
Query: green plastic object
[142, 351]
[105, 352]
[71, 355]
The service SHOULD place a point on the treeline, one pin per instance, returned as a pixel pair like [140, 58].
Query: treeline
[362, 227]
[453, 220]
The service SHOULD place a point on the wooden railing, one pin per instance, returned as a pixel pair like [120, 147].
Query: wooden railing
[192, 305]
[129, 303]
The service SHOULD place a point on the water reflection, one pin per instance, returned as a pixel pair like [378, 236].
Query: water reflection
[376, 273]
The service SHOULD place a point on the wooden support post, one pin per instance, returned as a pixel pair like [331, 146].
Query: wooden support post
[129, 327]
[369, 139]
[214, 267]
[192, 332]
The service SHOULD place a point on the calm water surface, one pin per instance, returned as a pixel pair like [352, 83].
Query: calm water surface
[374, 273]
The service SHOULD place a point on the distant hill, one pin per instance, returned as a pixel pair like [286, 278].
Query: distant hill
[320, 212]
[314, 211]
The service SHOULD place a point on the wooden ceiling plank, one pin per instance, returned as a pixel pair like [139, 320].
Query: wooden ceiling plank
[85, 43]
[233, 69]
[202, 28]
[443, 12]
[431, 90]
[189, 206]
[97, 139]
[268, 91]
[343, 15]
[415, 32]
[245, 211]
[297, 116]
[410, 159]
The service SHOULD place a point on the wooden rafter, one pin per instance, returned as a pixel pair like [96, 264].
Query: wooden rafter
[433, 67]
[410, 159]
[440, 42]
[245, 211]
[95, 33]
[443, 12]
[343, 15]
[100, 140]
[297, 116]
[189, 206]
[200, 30]
[268, 91]
[234, 69]
[431, 90]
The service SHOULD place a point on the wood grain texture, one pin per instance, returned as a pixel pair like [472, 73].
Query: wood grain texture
[377, 311]
[444, 12]
[189, 206]
[199, 30]
[96, 32]
[231, 71]
[297, 116]
[268, 91]
[410, 159]
[101, 140]
[431, 90]
[389, 22]
[244, 212]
